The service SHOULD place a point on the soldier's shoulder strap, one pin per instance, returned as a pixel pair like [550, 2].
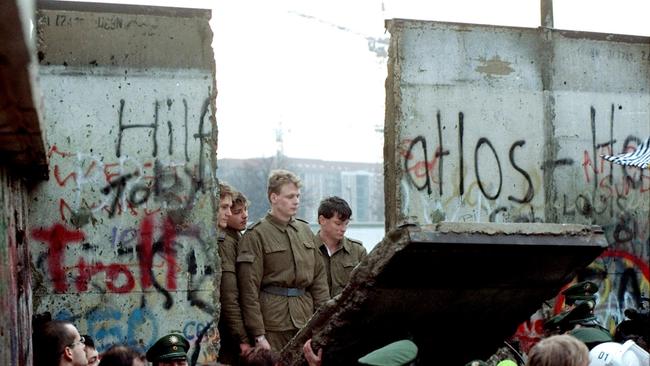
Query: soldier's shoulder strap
[254, 225]
[302, 220]
[355, 241]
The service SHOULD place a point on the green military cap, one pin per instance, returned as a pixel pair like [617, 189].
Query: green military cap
[554, 322]
[170, 347]
[566, 320]
[582, 313]
[584, 290]
[395, 354]
[591, 336]
[476, 363]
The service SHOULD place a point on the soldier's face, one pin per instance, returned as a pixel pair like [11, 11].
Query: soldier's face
[334, 227]
[285, 203]
[224, 212]
[239, 217]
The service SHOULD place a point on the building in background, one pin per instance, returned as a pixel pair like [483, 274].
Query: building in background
[361, 184]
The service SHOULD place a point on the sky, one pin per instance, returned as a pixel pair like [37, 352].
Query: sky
[307, 76]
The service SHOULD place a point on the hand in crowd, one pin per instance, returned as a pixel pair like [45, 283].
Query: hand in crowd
[243, 348]
[261, 342]
[312, 358]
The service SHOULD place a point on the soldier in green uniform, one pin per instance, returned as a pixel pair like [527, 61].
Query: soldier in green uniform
[340, 254]
[280, 275]
[169, 350]
[234, 340]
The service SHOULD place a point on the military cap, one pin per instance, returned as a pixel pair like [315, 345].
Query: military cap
[395, 354]
[584, 290]
[591, 336]
[170, 347]
[566, 320]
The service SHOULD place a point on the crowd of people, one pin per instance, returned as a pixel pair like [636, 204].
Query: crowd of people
[277, 272]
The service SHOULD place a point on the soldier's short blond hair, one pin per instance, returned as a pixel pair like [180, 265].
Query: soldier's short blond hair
[278, 178]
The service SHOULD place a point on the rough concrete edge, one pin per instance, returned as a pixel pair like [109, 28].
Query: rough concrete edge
[515, 228]
[37, 170]
[213, 187]
[84, 6]
[339, 310]
[392, 191]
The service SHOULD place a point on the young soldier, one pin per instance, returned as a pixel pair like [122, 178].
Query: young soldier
[170, 350]
[234, 340]
[340, 254]
[280, 275]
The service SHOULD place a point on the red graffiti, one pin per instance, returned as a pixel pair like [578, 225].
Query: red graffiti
[119, 277]
[57, 237]
[529, 333]
[145, 254]
[113, 273]
[55, 150]
[638, 262]
[62, 182]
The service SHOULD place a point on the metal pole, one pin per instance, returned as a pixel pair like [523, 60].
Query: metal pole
[546, 13]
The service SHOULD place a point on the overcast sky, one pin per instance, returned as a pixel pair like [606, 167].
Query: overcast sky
[308, 71]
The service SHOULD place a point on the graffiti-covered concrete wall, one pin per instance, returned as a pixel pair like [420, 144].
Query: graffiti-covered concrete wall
[122, 234]
[495, 124]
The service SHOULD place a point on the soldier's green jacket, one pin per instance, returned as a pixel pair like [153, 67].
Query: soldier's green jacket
[272, 253]
[341, 263]
[231, 316]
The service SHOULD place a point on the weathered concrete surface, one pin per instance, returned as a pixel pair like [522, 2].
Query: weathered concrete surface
[498, 124]
[21, 138]
[22, 160]
[123, 242]
[15, 277]
[495, 275]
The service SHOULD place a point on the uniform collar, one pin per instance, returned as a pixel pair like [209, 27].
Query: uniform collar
[345, 244]
[233, 233]
[282, 226]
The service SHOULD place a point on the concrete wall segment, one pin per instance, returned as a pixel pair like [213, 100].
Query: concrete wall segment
[15, 276]
[21, 135]
[165, 39]
[124, 243]
[499, 124]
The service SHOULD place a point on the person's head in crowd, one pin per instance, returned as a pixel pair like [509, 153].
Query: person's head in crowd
[225, 203]
[616, 354]
[559, 350]
[397, 353]
[636, 327]
[91, 352]
[169, 350]
[60, 341]
[258, 356]
[333, 217]
[120, 355]
[239, 212]
[283, 191]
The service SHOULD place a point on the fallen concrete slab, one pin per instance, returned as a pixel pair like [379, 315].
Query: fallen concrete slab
[456, 289]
